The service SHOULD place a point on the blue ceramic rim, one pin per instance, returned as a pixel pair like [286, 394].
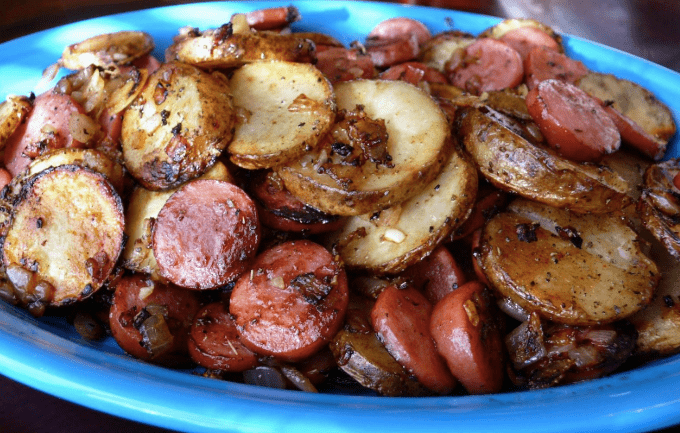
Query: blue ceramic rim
[54, 361]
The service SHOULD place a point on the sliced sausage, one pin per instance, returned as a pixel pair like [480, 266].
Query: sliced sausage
[281, 210]
[5, 177]
[292, 302]
[46, 128]
[633, 135]
[388, 52]
[151, 320]
[414, 72]
[272, 18]
[437, 274]
[206, 234]
[544, 63]
[464, 326]
[572, 122]
[486, 64]
[214, 342]
[400, 28]
[525, 38]
[401, 317]
[343, 64]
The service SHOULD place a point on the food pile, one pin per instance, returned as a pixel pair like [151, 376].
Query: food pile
[415, 214]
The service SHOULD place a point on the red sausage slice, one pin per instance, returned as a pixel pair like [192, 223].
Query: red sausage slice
[438, 274]
[633, 135]
[524, 39]
[400, 28]
[342, 64]
[281, 210]
[402, 320]
[215, 343]
[486, 64]
[136, 299]
[46, 127]
[292, 302]
[206, 234]
[572, 122]
[464, 327]
[414, 72]
[388, 52]
[272, 18]
[543, 63]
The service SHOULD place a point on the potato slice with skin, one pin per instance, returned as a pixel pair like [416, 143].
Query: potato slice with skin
[390, 241]
[439, 49]
[633, 101]
[107, 49]
[511, 24]
[177, 127]
[514, 164]
[658, 325]
[67, 230]
[418, 134]
[143, 207]
[570, 268]
[288, 107]
[12, 112]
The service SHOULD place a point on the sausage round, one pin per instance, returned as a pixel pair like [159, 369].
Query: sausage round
[437, 274]
[292, 302]
[545, 63]
[525, 38]
[414, 72]
[131, 300]
[206, 234]
[464, 327]
[342, 64]
[46, 127]
[572, 122]
[486, 64]
[400, 28]
[401, 317]
[214, 342]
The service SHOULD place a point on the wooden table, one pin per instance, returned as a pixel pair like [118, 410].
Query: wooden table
[647, 28]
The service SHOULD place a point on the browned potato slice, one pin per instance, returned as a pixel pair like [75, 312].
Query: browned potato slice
[633, 101]
[658, 325]
[12, 112]
[439, 49]
[286, 108]
[224, 48]
[360, 354]
[659, 204]
[143, 207]
[389, 241]
[177, 127]
[417, 138]
[65, 235]
[514, 164]
[107, 49]
[570, 268]
[510, 24]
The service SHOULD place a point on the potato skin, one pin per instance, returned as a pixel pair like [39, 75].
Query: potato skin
[571, 269]
[177, 127]
[514, 164]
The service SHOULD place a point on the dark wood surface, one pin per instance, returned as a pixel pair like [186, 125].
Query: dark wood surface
[647, 28]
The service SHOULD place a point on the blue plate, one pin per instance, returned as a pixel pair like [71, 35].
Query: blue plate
[49, 355]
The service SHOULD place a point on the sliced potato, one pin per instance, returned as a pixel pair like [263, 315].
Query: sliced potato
[514, 164]
[360, 354]
[224, 48]
[389, 241]
[659, 204]
[510, 24]
[66, 233]
[658, 325]
[12, 112]
[633, 101]
[417, 138]
[286, 107]
[177, 127]
[439, 49]
[569, 268]
[143, 207]
[107, 49]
